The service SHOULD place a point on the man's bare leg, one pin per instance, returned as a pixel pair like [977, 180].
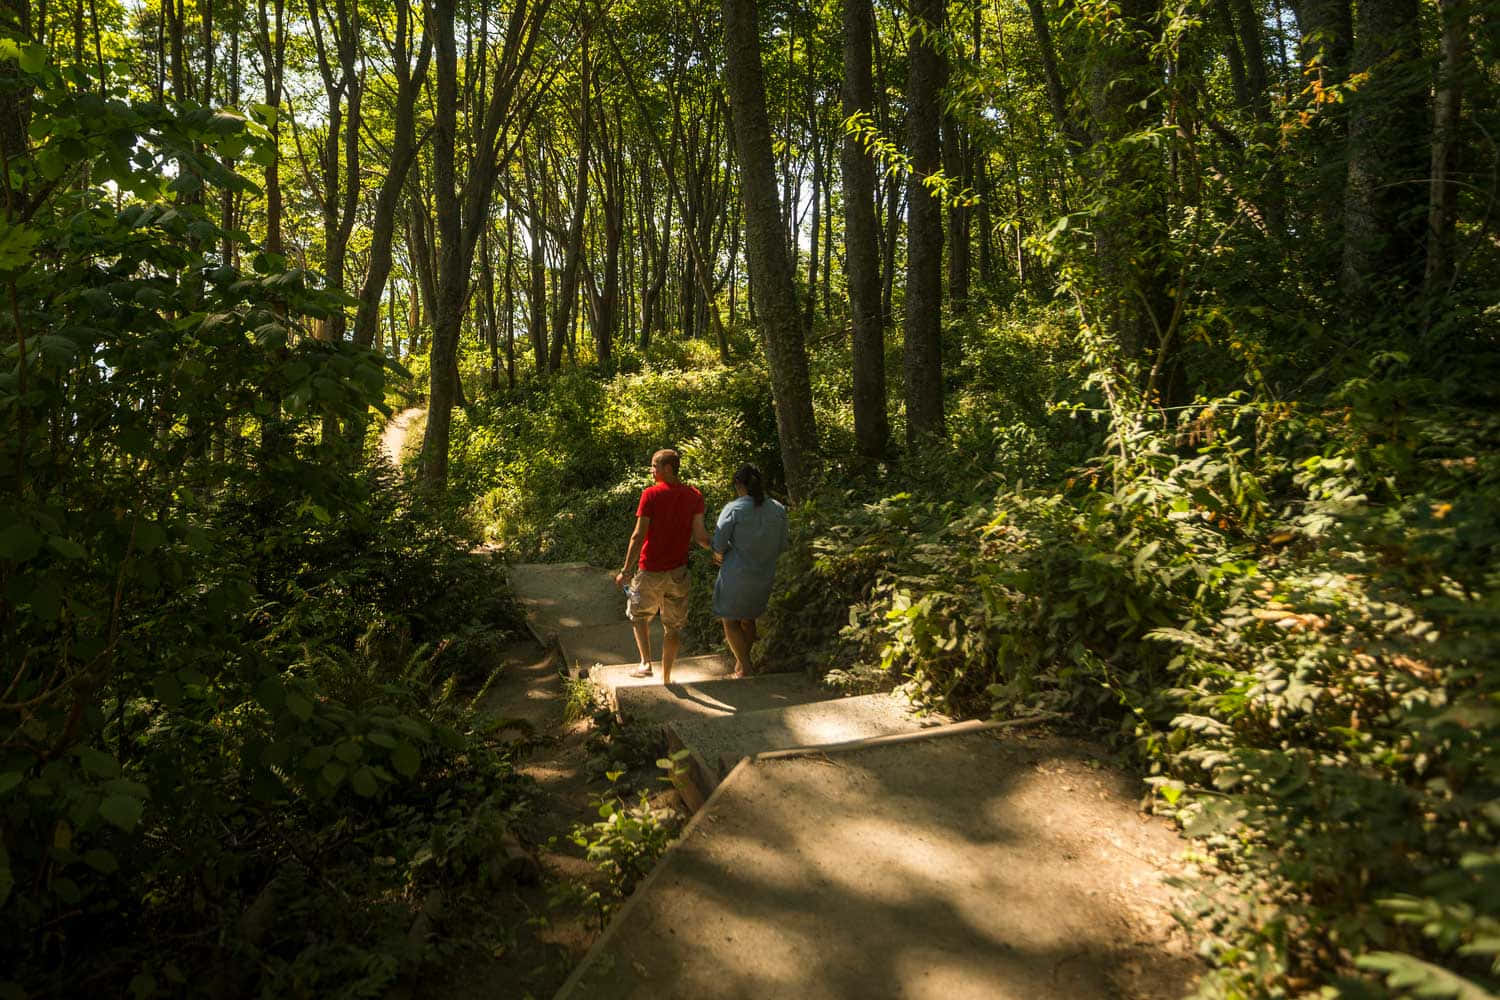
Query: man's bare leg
[670, 640]
[642, 628]
[734, 634]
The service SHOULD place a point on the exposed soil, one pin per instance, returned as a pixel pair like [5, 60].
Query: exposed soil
[539, 931]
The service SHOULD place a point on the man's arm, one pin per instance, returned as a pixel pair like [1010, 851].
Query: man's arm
[637, 537]
[700, 533]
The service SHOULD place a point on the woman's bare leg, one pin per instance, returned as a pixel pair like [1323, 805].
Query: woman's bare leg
[735, 636]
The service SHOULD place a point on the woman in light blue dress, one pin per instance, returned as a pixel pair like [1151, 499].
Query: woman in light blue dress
[750, 535]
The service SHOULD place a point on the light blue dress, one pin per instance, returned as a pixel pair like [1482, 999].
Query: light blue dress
[751, 538]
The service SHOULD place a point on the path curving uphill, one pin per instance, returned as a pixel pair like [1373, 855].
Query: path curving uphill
[393, 438]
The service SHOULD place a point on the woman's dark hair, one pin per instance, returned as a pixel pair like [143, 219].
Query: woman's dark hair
[755, 484]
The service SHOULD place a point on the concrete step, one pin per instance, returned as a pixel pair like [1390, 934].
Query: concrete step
[961, 864]
[716, 745]
[615, 677]
[587, 645]
[560, 596]
[579, 607]
[711, 699]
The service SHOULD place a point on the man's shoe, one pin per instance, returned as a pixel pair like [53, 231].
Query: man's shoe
[644, 670]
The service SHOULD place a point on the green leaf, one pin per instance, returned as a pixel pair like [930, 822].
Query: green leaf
[67, 890]
[17, 243]
[46, 600]
[9, 780]
[270, 694]
[99, 763]
[405, 759]
[19, 542]
[149, 536]
[65, 547]
[33, 58]
[168, 690]
[122, 810]
[101, 861]
[363, 782]
[334, 772]
[299, 706]
[1408, 973]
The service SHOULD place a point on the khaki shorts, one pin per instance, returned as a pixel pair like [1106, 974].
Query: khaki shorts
[666, 592]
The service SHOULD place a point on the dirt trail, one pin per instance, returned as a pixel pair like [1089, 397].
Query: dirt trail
[538, 941]
[393, 438]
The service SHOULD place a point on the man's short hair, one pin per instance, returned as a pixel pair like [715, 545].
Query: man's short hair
[668, 457]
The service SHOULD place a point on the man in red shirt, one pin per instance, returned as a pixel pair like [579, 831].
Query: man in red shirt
[668, 519]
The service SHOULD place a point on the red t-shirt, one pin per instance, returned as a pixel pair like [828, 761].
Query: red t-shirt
[671, 507]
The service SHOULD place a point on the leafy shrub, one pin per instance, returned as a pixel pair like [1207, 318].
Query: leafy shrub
[232, 755]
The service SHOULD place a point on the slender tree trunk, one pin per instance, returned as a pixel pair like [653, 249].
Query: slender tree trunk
[955, 164]
[811, 304]
[774, 289]
[922, 354]
[1237, 81]
[448, 309]
[491, 320]
[1384, 217]
[1072, 130]
[1250, 24]
[861, 241]
[562, 320]
[537, 300]
[1442, 210]
[1131, 226]
[701, 267]
[1327, 30]
[409, 82]
[510, 308]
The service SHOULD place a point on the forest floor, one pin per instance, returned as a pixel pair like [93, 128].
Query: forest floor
[540, 931]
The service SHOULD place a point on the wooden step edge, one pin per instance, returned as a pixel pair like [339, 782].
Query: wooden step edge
[695, 781]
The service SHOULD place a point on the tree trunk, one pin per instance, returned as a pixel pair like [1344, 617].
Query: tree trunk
[1442, 210]
[403, 151]
[562, 318]
[955, 164]
[811, 304]
[1237, 82]
[1131, 224]
[775, 292]
[1072, 131]
[1327, 34]
[861, 240]
[448, 308]
[463, 212]
[487, 306]
[922, 355]
[510, 306]
[537, 300]
[1385, 201]
[1248, 20]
